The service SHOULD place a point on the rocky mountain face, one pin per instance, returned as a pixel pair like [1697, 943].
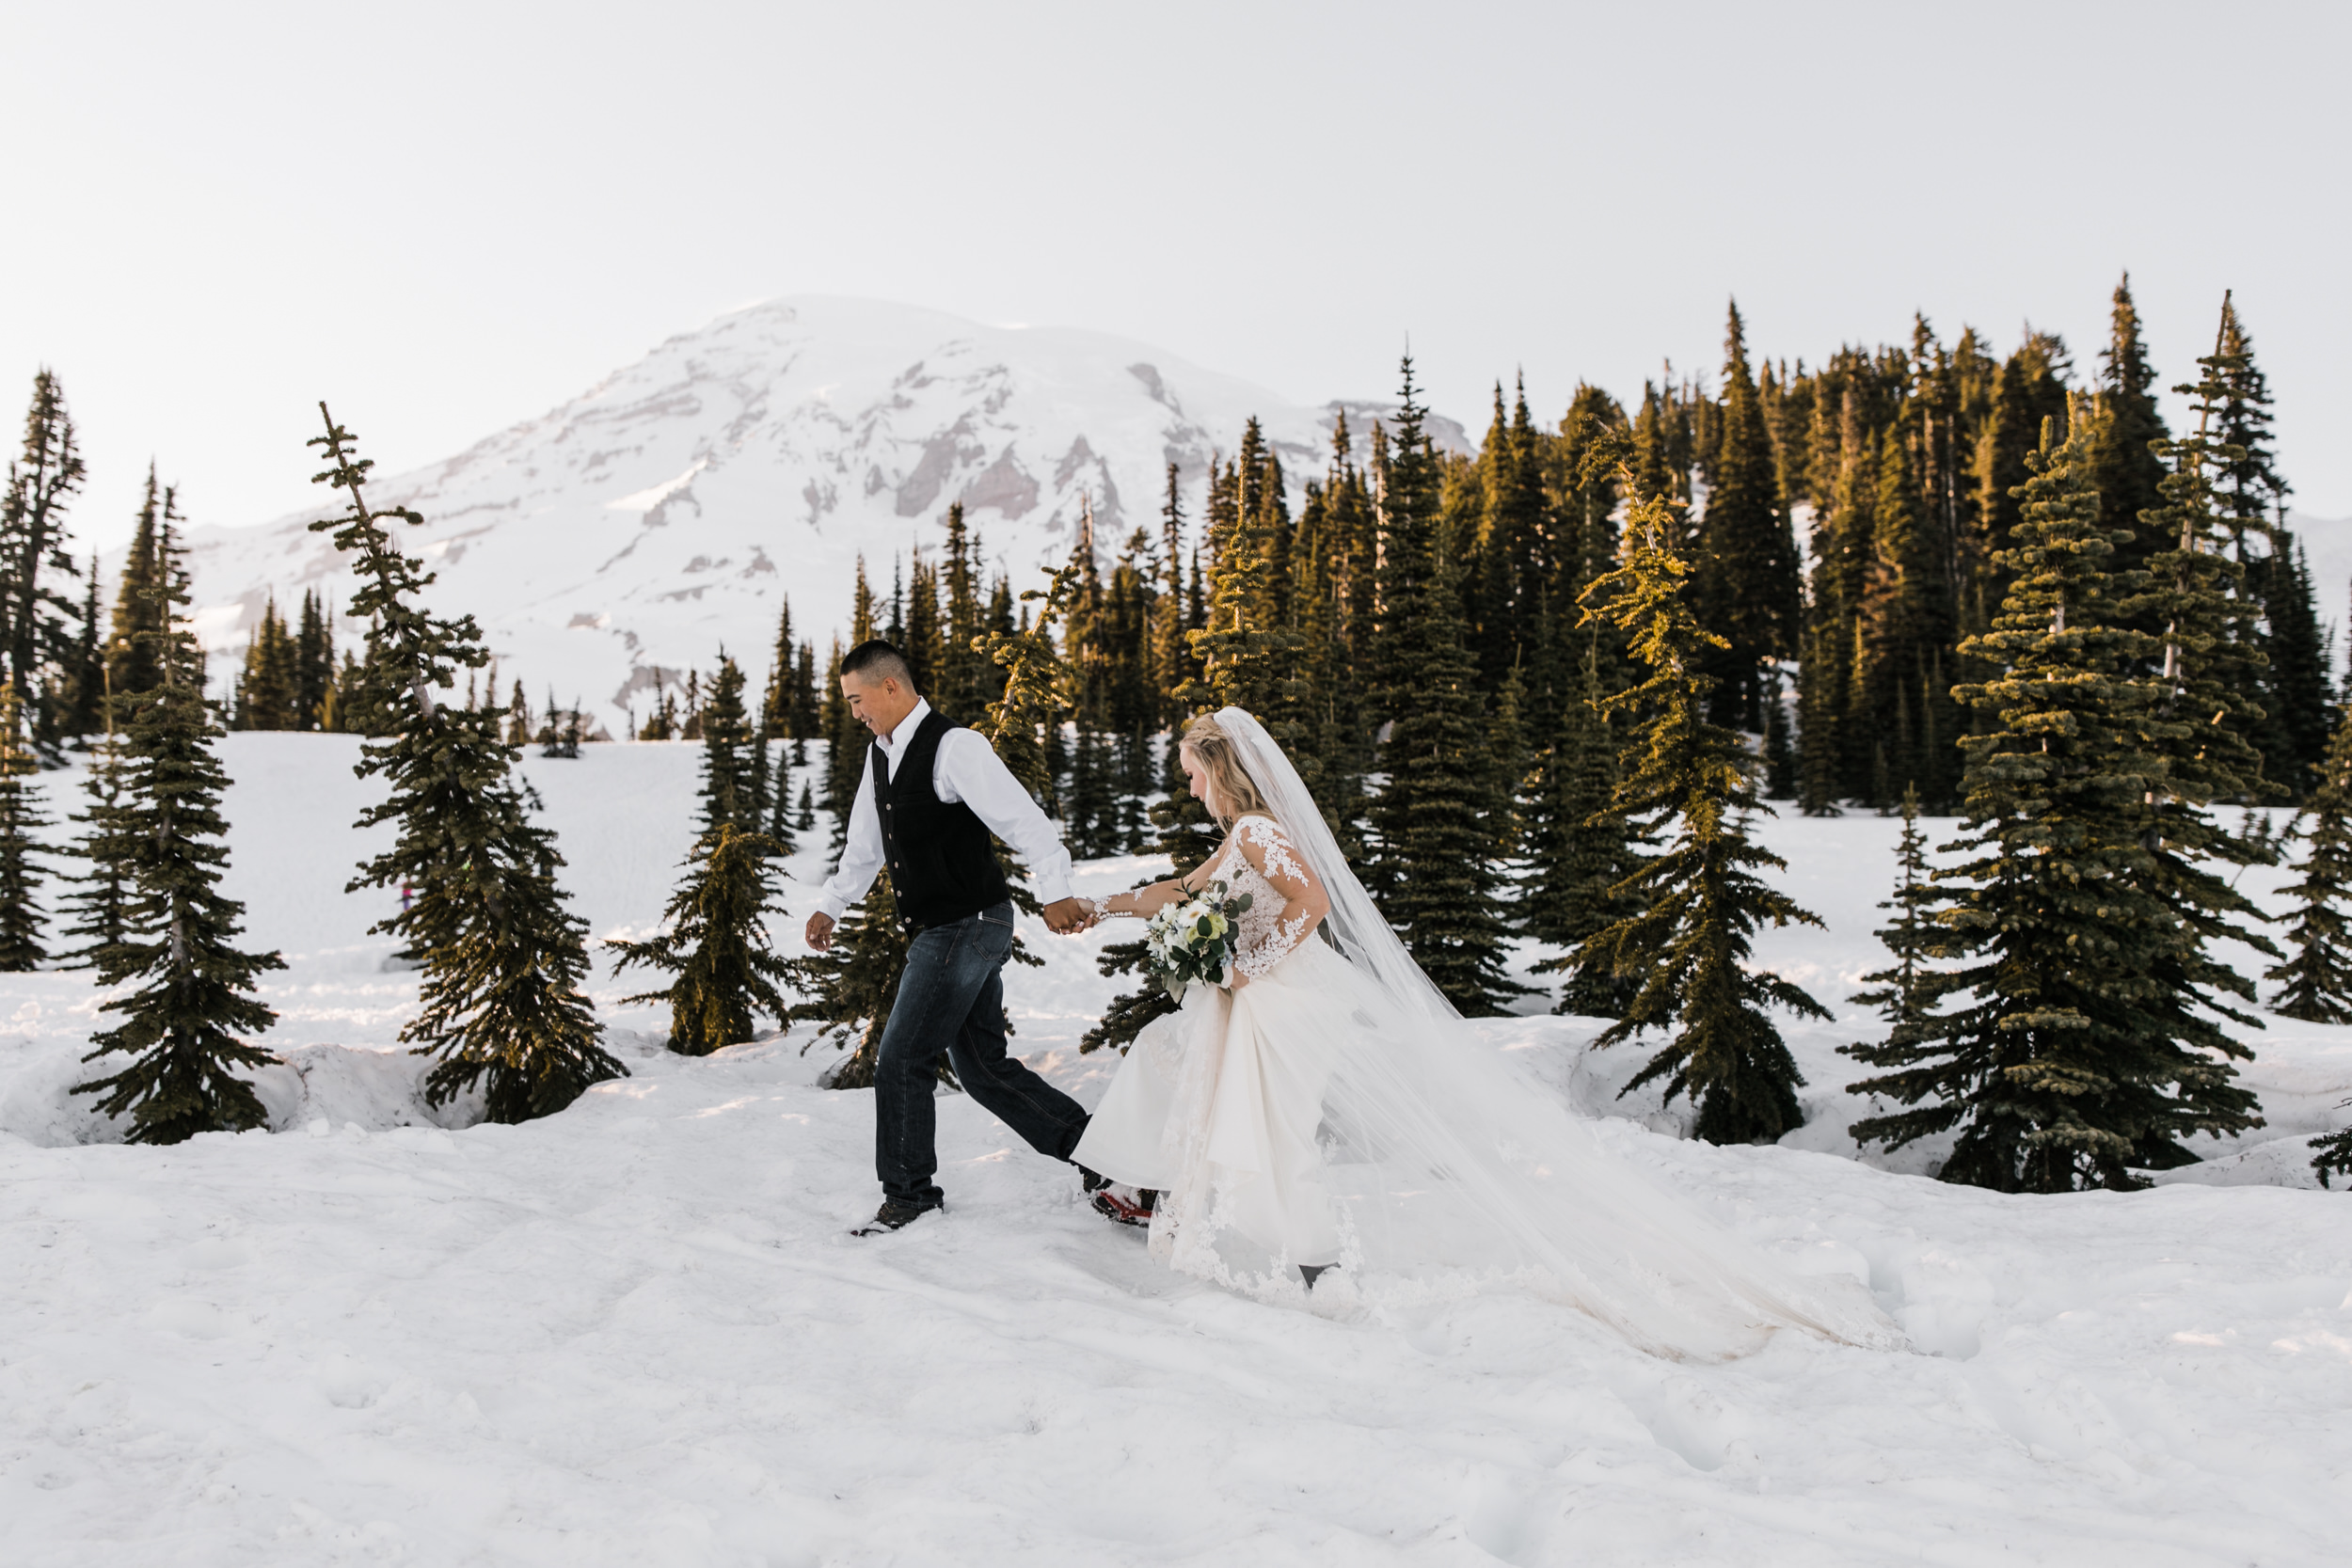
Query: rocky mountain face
[662, 515]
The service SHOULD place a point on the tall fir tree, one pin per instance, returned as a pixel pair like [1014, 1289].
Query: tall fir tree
[1437, 870]
[1699, 899]
[1582, 853]
[43, 479]
[21, 918]
[1745, 588]
[189, 1025]
[500, 1003]
[2074, 1054]
[962, 685]
[778, 713]
[726, 794]
[2125, 424]
[131, 647]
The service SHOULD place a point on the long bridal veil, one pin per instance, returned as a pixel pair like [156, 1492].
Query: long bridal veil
[1450, 1169]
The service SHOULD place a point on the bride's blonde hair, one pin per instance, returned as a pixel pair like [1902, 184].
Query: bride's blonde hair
[1232, 794]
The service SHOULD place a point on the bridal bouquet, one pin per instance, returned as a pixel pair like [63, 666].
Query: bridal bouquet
[1190, 941]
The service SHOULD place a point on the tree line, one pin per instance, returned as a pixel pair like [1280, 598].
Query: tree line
[1542, 691]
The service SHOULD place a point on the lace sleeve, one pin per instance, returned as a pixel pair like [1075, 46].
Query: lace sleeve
[1261, 843]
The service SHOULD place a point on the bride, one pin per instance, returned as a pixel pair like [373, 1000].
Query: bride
[1330, 1120]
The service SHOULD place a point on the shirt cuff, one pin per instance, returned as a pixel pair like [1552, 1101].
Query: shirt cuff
[829, 904]
[1053, 886]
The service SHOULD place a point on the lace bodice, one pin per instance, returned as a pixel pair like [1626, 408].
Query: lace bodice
[1264, 938]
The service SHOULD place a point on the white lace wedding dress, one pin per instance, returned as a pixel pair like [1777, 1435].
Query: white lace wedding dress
[1336, 1110]
[1217, 1106]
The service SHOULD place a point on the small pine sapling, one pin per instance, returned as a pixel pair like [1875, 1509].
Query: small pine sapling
[851, 984]
[716, 945]
[1910, 937]
[2317, 980]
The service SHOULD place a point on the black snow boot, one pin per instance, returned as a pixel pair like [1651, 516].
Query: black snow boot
[895, 1214]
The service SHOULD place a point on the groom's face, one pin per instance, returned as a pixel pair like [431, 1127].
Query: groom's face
[878, 704]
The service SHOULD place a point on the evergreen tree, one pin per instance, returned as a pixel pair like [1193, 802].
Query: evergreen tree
[851, 984]
[714, 941]
[726, 792]
[2317, 983]
[2294, 694]
[1037, 690]
[2332, 1154]
[21, 818]
[520, 731]
[42, 481]
[1910, 935]
[186, 1027]
[2074, 1055]
[82, 710]
[314, 663]
[101, 904]
[1437, 865]
[2125, 471]
[1172, 661]
[1700, 899]
[963, 686]
[845, 752]
[131, 644]
[803, 704]
[1583, 853]
[778, 713]
[269, 692]
[1745, 589]
[781, 824]
[2250, 497]
[1247, 655]
[501, 1001]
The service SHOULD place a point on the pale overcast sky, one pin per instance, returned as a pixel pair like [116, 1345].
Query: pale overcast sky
[445, 217]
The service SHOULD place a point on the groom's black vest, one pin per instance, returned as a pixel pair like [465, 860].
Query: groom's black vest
[942, 866]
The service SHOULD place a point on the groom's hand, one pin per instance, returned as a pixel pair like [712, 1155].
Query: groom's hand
[819, 933]
[1066, 916]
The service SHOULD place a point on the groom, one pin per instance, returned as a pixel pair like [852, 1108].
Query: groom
[933, 793]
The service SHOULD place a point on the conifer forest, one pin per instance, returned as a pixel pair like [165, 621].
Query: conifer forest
[1543, 691]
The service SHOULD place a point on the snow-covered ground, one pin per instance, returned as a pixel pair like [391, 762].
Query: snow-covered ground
[635, 1332]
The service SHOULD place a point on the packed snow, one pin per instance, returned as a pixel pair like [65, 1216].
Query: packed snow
[636, 1333]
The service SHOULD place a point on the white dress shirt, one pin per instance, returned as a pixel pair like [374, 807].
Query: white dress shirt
[967, 768]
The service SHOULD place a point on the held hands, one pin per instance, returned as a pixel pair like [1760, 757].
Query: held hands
[1069, 916]
[1065, 917]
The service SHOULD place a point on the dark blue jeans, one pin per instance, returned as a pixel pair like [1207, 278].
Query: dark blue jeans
[951, 998]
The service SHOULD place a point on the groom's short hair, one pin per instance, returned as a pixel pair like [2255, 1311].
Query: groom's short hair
[878, 660]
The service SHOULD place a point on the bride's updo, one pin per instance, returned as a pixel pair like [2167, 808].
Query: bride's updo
[1229, 782]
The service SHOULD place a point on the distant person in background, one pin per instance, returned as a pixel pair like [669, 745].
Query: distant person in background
[933, 793]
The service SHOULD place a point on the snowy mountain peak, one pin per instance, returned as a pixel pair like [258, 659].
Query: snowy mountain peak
[629, 535]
